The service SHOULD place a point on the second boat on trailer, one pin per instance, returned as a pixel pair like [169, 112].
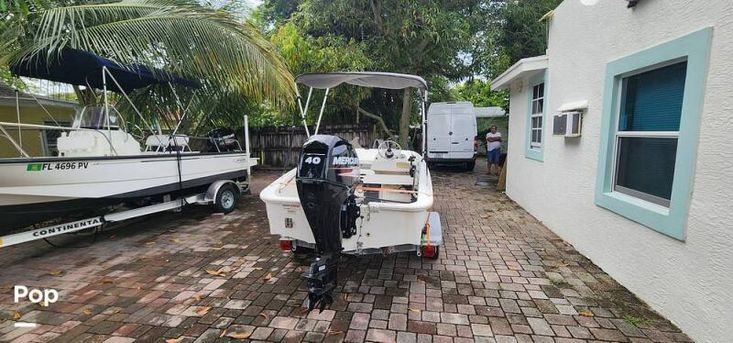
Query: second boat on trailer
[346, 199]
[100, 165]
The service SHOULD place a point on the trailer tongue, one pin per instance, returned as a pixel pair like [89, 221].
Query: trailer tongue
[327, 176]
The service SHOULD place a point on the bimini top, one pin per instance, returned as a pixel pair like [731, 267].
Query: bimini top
[371, 79]
[82, 68]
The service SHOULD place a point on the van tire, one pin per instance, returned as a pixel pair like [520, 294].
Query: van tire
[470, 165]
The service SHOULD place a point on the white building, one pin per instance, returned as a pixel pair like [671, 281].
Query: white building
[646, 190]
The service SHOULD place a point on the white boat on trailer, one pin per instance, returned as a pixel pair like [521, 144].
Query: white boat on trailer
[346, 199]
[101, 166]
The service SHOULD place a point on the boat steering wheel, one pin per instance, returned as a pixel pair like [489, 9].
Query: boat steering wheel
[389, 149]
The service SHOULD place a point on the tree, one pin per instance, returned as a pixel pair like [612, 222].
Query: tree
[480, 94]
[408, 36]
[304, 54]
[507, 31]
[227, 55]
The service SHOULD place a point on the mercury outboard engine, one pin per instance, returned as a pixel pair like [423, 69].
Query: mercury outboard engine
[222, 140]
[327, 175]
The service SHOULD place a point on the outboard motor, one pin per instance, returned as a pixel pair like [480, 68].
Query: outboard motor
[222, 140]
[328, 172]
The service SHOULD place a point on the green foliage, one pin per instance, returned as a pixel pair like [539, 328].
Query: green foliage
[408, 36]
[236, 65]
[7, 78]
[480, 94]
[484, 124]
[305, 54]
[522, 34]
[326, 53]
[505, 31]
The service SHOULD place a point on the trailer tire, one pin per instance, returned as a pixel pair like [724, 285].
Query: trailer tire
[226, 198]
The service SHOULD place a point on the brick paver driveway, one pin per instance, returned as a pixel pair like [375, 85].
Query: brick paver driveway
[194, 276]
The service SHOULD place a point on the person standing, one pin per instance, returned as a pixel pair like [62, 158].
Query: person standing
[493, 149]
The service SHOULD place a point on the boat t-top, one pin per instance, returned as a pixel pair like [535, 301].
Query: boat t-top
[346, 199]
[101, 165]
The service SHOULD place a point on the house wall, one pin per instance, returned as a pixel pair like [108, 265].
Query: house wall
[29, 114]
[690, 282]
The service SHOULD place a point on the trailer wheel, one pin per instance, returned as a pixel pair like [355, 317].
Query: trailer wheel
[226, 198]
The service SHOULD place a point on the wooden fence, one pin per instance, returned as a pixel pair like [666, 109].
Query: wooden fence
[279, 147]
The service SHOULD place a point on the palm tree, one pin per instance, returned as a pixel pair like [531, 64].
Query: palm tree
[227, 55]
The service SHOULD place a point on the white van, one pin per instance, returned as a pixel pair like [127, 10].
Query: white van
[451, 130]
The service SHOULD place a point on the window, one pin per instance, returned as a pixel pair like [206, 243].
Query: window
[648, 128]
[652, 104]
[538, 102]
[536, 116]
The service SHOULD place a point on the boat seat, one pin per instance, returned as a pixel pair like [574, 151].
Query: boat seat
[388, 179]
[158, 142]
[391, 166]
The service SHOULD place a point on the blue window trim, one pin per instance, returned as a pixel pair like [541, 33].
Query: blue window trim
[672, 221]
[529, 151]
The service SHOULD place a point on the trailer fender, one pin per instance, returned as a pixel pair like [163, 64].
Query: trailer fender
[213, 189]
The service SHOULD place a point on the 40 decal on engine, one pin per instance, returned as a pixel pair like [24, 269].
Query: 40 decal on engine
[57, 166]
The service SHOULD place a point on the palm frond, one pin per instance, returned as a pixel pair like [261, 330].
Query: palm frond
[178, 35]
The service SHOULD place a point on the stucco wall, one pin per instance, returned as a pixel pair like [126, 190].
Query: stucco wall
[29, 114]
[690, 282]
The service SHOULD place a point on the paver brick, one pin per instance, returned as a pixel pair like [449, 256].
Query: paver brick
[481, 330]
[501, 277]
[397, 321]
[453, 318]
[379, 335]
[284, 323]
[406, 337]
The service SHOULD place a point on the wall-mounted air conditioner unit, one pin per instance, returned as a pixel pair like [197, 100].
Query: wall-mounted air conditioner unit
[567, 124]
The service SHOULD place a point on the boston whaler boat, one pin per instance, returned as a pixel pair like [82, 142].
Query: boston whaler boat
[342, 199]
[100, 164]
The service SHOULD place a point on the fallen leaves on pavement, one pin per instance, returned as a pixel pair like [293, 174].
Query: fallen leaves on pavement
[236, 334]
[333, 332]
[586, 313]
[219, 272]
[204, 310]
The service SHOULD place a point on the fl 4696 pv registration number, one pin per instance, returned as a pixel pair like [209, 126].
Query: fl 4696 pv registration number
[57, 166]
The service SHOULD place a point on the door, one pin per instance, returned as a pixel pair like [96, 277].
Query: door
[462, 135]
[439, 135]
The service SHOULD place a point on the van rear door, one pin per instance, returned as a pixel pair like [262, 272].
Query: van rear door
[463, 132]
[439, 134]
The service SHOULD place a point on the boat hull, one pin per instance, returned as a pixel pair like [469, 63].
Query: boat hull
[382, 224]
[34, 190]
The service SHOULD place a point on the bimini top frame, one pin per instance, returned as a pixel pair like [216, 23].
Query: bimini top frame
[83, 68]
[369, 79]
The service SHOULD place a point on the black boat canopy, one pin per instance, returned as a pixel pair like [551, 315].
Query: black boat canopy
[83, 68]
[371, 79]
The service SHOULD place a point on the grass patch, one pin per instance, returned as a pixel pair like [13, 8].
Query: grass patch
[560, 283]
[635, 321]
